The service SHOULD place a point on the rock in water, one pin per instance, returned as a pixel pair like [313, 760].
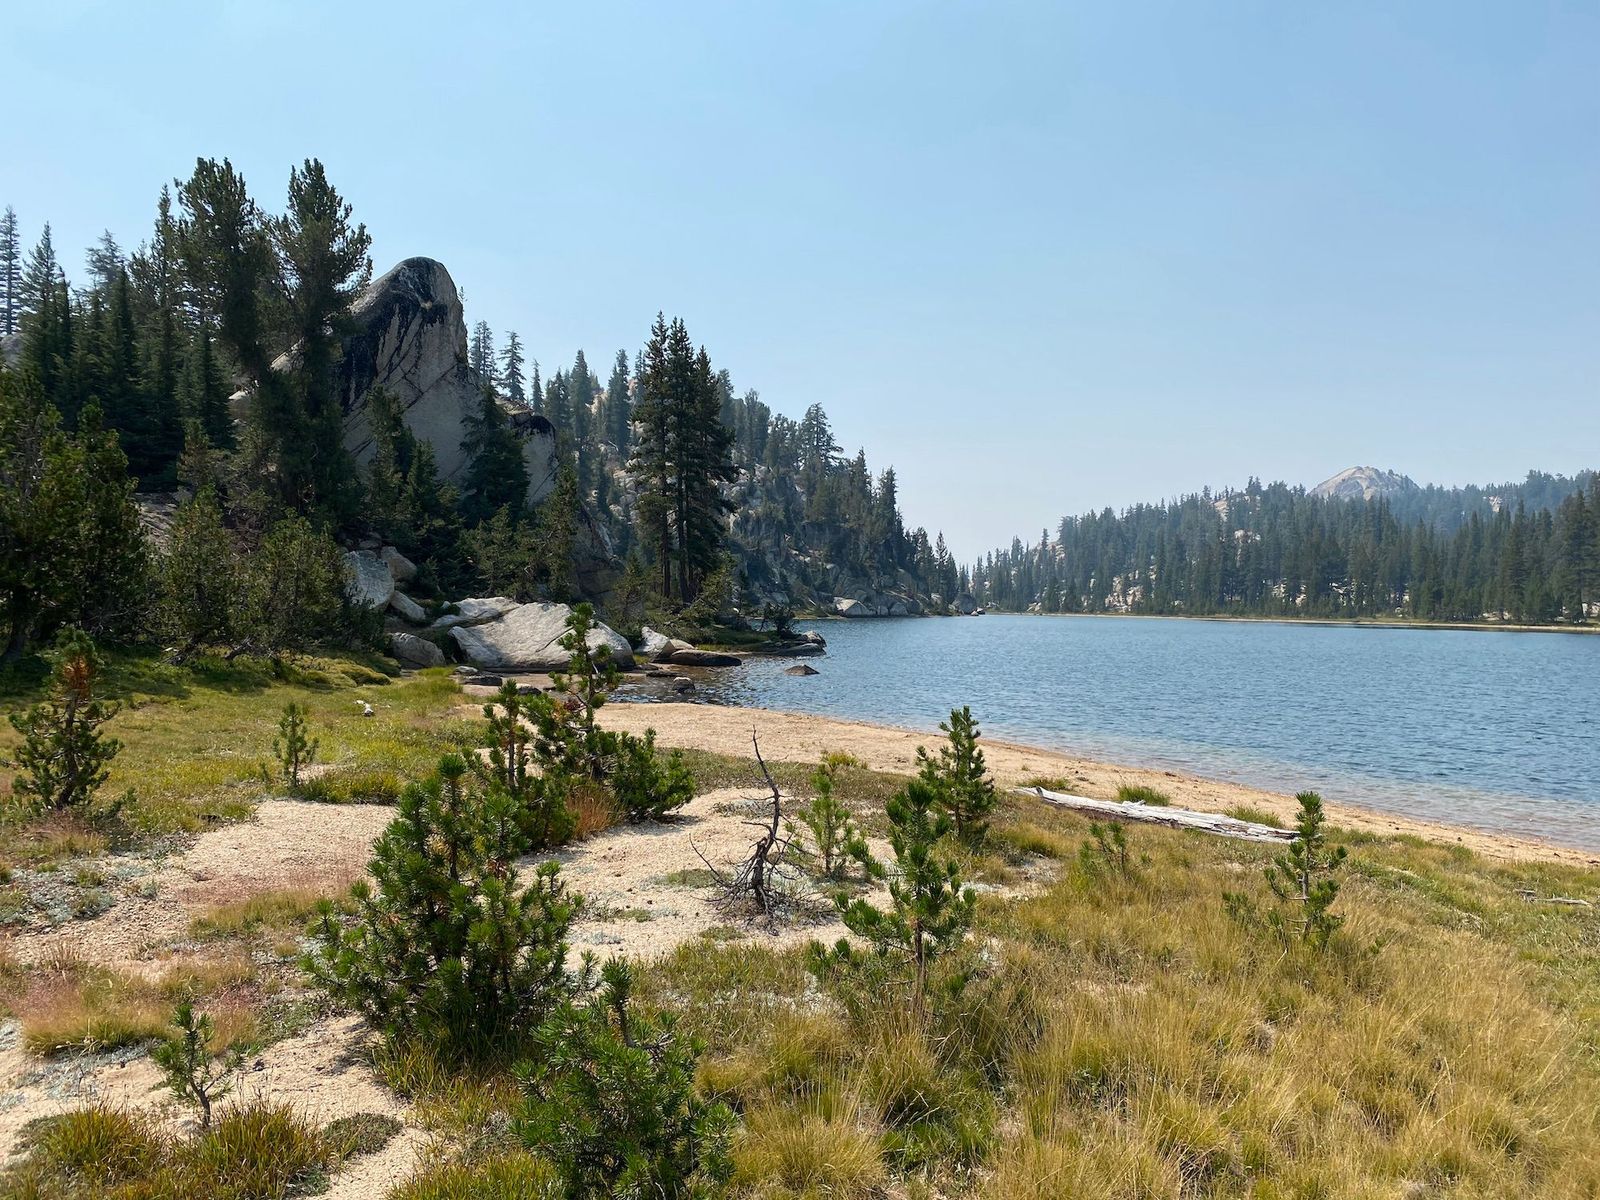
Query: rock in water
[802, 669]
[688, 656]
[528, 638]
[368, 583]
[420, 652]
[410, 337]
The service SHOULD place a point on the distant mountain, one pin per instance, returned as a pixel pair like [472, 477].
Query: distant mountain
[1364, 483]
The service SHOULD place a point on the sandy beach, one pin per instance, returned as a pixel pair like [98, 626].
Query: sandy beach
[800, 737]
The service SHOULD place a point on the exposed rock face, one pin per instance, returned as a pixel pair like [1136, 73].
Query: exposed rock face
[528, 639]
[1364, 483]
[367, 579]
[476, 611]
[420, 652]
[411, 338]
[11, 349]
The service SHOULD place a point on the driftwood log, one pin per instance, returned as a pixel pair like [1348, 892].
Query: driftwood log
[1160, 814]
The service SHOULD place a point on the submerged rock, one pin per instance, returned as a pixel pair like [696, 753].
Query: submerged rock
[802, 669]
[690, 657]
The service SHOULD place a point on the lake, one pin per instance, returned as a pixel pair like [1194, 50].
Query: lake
[1496, 730]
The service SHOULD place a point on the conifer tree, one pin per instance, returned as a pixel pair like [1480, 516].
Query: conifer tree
[611, 1100]
[618, 406]
[41, 276]
[958, 776]
[1304, 875]
[10, 273]
[833, 831]
[447, 946]
[930, 910]
[480, 354]
[512, 377]
[199, 578]
[496, 475]
[64, 758]
[103, 262]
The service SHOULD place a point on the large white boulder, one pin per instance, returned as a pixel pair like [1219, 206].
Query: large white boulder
[476, 610]
[368, 583]
[528, 638]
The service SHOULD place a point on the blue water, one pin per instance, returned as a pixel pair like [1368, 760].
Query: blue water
[1496, 730]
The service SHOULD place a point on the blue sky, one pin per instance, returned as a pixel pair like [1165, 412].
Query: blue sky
[1041, 257]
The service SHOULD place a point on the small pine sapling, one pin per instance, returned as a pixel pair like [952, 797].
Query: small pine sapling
[589, 678]
[648, 785]
[959, 778]
[64, 759]
[537, 801]
[292, 748]
[610, 1100]
[1108, 849]
[193, 1073]
[930, 909]
[836, 839]
[1304, 875]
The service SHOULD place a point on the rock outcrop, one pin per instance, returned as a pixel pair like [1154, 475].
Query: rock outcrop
[368, 582]
[419, 652]
[410, 337]
[528, 638]
[1364, 483]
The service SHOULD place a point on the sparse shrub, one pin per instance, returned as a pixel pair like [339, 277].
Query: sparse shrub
[959, 778]
[353, 785]
[611, 1101]
[648, 785]
[539, 800]
[1138, 793]
[834, 835]
[64, 759]
[192, 1072]
[292, 748]
[445, 944]
[1107, 849]
[931, 911]
[1302, 880]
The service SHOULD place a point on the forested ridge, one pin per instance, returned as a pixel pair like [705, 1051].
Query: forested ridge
[1524, 553]
[205, 363]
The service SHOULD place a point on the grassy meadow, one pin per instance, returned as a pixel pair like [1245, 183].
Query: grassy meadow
[1100, 1034]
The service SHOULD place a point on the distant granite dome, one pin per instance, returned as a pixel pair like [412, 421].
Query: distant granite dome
[1364, 483]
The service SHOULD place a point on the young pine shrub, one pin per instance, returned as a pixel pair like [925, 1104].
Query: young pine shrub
[834, 835]
[930, 911]
[1107, 850]
[647, 785]
[292, 748]
[64, 759]
[445, 943]
[538, 800]
[192, 1073]
[611, 1100]
[589, 679]
[1302, 880]
[959, 778]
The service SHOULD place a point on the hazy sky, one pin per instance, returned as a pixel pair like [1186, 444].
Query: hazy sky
[1041, 257]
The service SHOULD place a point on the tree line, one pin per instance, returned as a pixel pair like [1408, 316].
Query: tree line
[1526, 553]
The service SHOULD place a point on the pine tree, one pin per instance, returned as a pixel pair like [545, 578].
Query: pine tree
[959, 778]
[930, 910]
[496, 475]
[199, 578]
[834, 833]
[618, 406]
[1304, 875]
[611, 1101]
[41, 276]
[512, 378]
[446, 945]
[10, 273]
[103, 262]
[480, 354]
[64, 759]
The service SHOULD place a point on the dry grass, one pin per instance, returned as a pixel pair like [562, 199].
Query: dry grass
[67, 1005]
[267, 913]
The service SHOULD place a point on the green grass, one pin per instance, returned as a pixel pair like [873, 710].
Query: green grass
[277, 911]
[360, 1134]
[1254, 815]
[1138, 793]
[197, 737]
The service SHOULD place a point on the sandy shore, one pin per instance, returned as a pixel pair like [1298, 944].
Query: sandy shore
[800, 737]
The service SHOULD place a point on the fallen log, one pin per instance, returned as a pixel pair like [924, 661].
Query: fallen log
[1160, 814]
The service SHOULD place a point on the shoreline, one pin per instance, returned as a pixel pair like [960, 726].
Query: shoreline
[1239, 619]
[802, 737]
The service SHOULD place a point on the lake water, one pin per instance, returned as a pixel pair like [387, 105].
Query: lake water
[1493, 729]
